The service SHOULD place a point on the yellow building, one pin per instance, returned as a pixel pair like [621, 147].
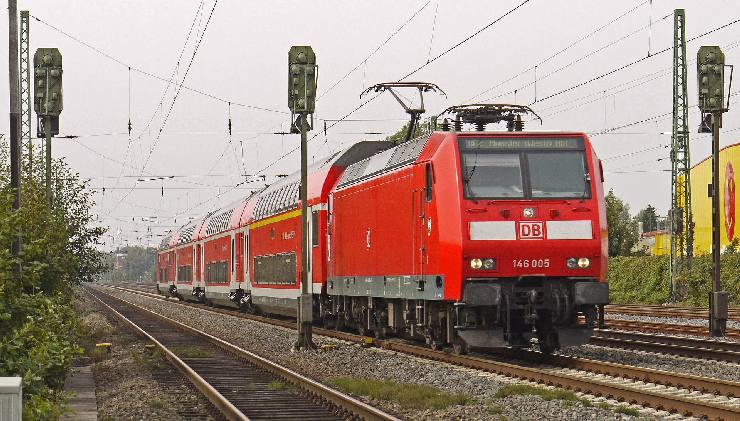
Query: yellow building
[701, 203]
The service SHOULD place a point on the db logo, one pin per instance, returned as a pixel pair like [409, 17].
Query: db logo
[729, 201]
[531, 230]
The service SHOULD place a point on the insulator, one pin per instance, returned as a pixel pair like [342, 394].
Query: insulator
[480, 126]
[510, 125]
[458, 124]
[445, 125]
[518, 124]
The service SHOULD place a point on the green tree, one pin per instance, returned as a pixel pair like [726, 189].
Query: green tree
[139, 263]
[37, 322]
[648, 217]
[400, 135]
[622, 228]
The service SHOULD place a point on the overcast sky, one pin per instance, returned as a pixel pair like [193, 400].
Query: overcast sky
[243, 59]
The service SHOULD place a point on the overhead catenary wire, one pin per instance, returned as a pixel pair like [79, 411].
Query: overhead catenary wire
[153, 75]
[363, 104]
[574, 62]
[466, 39]
[172, 105]
[563, 50]
[628, 65]
[373, 52]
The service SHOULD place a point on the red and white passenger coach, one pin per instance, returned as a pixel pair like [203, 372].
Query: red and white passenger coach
[462, 238]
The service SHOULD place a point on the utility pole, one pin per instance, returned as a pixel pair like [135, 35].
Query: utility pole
[26, 88]
[48, 103]
[710, 63]
[682, 225]
[15, 123]
[302, 74]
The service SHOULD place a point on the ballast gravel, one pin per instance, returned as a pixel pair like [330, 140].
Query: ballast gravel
[352, 360]
[126, 386]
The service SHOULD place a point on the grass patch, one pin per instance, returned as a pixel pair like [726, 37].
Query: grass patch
[190, 352]
[626, 410]
[152, 361]
[276, 385]
[408, 395]
[99, 354]
[158, 404]
[605, 406]
[495, 410]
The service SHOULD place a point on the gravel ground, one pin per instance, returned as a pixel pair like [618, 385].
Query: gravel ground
[731, 324]
[126, 384]
[351, 360]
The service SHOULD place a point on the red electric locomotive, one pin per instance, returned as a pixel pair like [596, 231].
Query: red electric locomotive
[462, 238]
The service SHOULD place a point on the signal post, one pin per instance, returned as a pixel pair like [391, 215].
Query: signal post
[47, 100]
[302, 73]
[710, 63]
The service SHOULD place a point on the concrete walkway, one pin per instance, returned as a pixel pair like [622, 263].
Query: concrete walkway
[80, 383]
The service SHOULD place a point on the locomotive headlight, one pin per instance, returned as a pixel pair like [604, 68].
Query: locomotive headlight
[476, 263]
[489, 264]
[584, 262]
[529, 212]
[571, 263]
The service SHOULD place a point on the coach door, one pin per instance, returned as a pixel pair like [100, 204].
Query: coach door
[245, 258]
[198, 260]
[424, 224]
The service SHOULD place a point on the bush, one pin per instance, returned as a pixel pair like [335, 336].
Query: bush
[38, 328]
[645, 279]
[41, 349]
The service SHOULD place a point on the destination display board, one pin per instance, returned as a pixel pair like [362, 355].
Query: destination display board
[522, 143]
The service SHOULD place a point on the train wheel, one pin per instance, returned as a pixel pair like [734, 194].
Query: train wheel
[548, 341]
[380, 332]
[436, 345]
[459, 347]
[339, 323]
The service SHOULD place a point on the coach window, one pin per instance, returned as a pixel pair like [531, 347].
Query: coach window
[429, 180]
[315, 228]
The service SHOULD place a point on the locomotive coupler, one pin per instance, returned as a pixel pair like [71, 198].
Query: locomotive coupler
[530, 312]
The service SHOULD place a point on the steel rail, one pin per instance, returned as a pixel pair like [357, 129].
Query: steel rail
[596, 387]
[665, 348]
[648, 375]
[649, 398]
[729, 346]
[666, 311]
[213, 395]
[338, 399]
[666, 328]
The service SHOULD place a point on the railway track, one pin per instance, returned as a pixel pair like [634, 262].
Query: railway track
[242, 385]
[664, 328]
[672, 345]
[673, 392]
[667, 311]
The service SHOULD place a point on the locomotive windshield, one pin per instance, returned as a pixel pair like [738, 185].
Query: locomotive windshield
[524, 168]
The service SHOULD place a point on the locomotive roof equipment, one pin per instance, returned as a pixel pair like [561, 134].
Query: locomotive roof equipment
[483, 114]
[414, 113]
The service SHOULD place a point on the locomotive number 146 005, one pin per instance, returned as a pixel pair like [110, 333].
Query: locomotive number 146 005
[531, 263]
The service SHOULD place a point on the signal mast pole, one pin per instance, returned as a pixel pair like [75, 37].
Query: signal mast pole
[682, 226]
[710, 63]
[25, 77]
[15, 122]
[302, 74]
